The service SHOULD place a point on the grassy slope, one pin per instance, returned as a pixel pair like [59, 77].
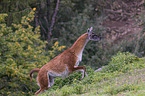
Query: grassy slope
[130, 82]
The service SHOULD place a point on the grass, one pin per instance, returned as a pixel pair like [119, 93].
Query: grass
[130, 81]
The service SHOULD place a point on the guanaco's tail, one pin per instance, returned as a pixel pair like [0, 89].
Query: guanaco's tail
[31, 72]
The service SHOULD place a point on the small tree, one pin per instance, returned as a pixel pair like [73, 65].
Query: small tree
[21, 51]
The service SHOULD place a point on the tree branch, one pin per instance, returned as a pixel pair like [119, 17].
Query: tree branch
[48, 10]
[46, 22]
[42, 26]
[36, 19]
[53, 20]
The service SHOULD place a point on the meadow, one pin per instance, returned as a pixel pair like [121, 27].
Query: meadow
[123, 76]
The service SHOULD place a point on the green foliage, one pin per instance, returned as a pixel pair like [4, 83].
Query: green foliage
[104, 82]
[2, 17]
[16, 9]
[113, 90]
[21, 51]
[120, 61]
[73, 78]
[55, 49]
[73, 22]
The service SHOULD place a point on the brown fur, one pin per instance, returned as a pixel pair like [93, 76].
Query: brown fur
[61, 64]
[31, 73]
[79, 44]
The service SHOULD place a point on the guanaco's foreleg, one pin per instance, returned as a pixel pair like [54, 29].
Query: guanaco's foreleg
[82, 69]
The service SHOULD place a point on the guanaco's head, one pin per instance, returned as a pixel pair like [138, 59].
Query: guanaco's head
[92, 36]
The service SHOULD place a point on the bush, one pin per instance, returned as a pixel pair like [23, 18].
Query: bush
[21, 51]
[115, 89]
[73, 78]
[120, 61]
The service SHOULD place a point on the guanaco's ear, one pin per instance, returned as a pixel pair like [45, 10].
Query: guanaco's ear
[90, 29]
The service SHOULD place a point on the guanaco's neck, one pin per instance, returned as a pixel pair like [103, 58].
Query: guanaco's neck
[78, 47]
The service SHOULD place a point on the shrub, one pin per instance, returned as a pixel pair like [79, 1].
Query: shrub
[21, 51]
[120, 61]
[73, 78]
[115, 89]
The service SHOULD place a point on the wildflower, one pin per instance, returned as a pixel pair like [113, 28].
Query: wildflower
[29, 26]
[34, 9]
[28, 19]
[23, 17]
[25, 38]
[39, 66]
[45, 42]
[17, 43]
[56, 43]
[29, 47]
[39, 51]
[9, 92]
[22, 35]
[1, 34]
[61, 47]
[32, 33]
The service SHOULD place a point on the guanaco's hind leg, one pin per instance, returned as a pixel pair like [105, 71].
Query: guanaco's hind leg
[43, 82]
[51, 80]
[82, 69]
[41, 90]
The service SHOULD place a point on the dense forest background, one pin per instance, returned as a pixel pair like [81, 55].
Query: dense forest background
[35, 31]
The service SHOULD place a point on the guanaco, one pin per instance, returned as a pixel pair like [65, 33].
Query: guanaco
[65, 63]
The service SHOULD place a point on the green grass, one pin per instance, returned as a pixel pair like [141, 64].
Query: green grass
[129, 81]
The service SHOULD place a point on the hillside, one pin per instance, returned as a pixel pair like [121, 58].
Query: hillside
[33, 32]
[125, 75]
[123, 20]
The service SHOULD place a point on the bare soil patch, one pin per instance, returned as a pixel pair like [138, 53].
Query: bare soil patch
[122, 20]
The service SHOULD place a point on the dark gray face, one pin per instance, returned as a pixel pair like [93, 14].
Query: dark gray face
[92, 36]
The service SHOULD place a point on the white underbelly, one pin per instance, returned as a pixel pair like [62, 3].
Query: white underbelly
[55, 74]
[62, 74]
[78, 60]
